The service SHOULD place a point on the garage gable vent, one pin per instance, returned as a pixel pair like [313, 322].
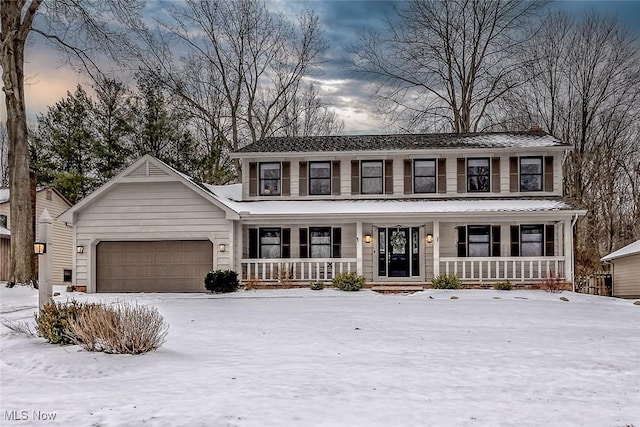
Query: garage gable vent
[147, 169]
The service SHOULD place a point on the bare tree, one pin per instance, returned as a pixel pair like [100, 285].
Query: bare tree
[442, 64]
[306, 115]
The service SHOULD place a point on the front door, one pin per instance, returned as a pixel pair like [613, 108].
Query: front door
[399, 255]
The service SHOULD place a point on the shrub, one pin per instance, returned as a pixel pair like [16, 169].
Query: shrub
[122, 329]
[552, 283]
[251, 283]
[446, 281]
[348, 281]
[503, 286]
[221, 281]
[52, 322]
[317, 286]
[285, 278]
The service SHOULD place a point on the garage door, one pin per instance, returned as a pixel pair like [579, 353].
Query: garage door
[164, 266]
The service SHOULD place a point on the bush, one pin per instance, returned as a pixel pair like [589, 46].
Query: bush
[503, 286]
[52, 322]
[348, 281]
[221, 281]
[317, 286]
[120, 329]
[446, 281]
[552, 283]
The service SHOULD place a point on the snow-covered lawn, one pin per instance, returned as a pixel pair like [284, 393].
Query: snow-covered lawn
[329, 358]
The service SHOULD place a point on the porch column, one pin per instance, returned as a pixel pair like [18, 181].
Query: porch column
[436, 248]
[568, 252]
[359, 248]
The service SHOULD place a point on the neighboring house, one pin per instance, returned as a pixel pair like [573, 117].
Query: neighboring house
[51, 199]
[393, 208]
[626, 271]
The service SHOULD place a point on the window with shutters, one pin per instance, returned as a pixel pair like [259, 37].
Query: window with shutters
[270, 179]
[478, 175]
[320, 242]
[270, 243]
[532, 240]
[3, 221]
[479, 240]
[424, 176]
[372, 177]
[320, 178]
[531, 174]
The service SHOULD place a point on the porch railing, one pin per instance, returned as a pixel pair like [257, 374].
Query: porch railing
[516, 269]
[309, 269]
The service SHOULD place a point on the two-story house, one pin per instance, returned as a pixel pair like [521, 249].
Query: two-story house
[393, 208]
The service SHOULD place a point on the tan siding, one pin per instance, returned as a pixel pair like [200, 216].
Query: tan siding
[626, 277]
[5, 254]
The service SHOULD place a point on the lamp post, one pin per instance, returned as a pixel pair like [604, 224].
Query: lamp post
[43, 248]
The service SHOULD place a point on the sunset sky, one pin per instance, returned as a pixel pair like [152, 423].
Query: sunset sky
[48, 80]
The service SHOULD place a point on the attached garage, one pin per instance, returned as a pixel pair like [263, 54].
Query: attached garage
[158, 266]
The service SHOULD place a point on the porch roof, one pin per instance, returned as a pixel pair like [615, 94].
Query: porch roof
[4, 231]
[230, 195]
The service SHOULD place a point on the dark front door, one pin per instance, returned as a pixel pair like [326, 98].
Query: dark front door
[399, 254]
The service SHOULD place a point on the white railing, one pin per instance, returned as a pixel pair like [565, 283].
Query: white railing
[516, 269]
[308, 269]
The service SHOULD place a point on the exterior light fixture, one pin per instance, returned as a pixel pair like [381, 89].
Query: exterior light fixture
[39, 248]
[429, 238]
[80, 249]
[367, 238]
[222, 247]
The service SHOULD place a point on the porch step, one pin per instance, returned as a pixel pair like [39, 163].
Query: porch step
[397, 289]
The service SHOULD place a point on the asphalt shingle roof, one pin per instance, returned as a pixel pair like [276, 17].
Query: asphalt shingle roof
[403, 142]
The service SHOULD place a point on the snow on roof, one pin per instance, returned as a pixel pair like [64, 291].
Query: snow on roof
[230, 195]
[632, 249]
[4, 195]
[4, 232]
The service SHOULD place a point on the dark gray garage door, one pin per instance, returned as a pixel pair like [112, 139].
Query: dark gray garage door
[163, 266]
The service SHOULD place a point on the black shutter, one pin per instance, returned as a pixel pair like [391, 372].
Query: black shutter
[548, 173]
[335, 177]
[462, 241]
[355, 177]
[286, 243]
[495, 240]
[408, 177]
[515, 240]
[253, 243]
[549, 236]
[336, 242]
[286, 178]
[253, 179]
[495, 174]
[304, 243]
[388, 176]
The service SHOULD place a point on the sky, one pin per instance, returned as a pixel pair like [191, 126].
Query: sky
[48, 79]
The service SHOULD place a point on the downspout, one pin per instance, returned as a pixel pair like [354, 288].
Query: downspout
[573, 248]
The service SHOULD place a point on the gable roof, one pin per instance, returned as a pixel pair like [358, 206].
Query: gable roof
[5, 194]
[632, 249]
[525, 139]
[147, 167]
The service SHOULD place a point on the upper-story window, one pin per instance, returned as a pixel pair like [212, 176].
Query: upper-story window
[320, 178]
[478, 175]
[270, 179]
[531, 174]
[372, 176]
[424, 176]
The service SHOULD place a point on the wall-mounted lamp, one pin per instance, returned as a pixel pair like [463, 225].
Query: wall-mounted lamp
[80, 249]
[429, 238]
[39, 248]
[222, 247]
[367, 238]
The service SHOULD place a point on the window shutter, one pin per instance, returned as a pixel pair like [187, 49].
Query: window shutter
[286, 178]
[303, 186]
[462, 176]
[355, 177]
[515, 240]
[253, 243]
[253, 179]
[335, 177]
[408, 178]
[388, 176]
[304, 243]
[462, 240]
[495, 174]
[549, 243]
[548, 173]
[286, 243]
[442, 175]
[514, 185]
[495, 240]
[336, 242]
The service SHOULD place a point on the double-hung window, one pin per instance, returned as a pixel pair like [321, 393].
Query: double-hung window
[320, 178]
[532, 240]
[270, 179]
[478, 175]
[424, 176]
[479, 240]
[530, 173]
[270, 242]
[320, 242]
[372, 174]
